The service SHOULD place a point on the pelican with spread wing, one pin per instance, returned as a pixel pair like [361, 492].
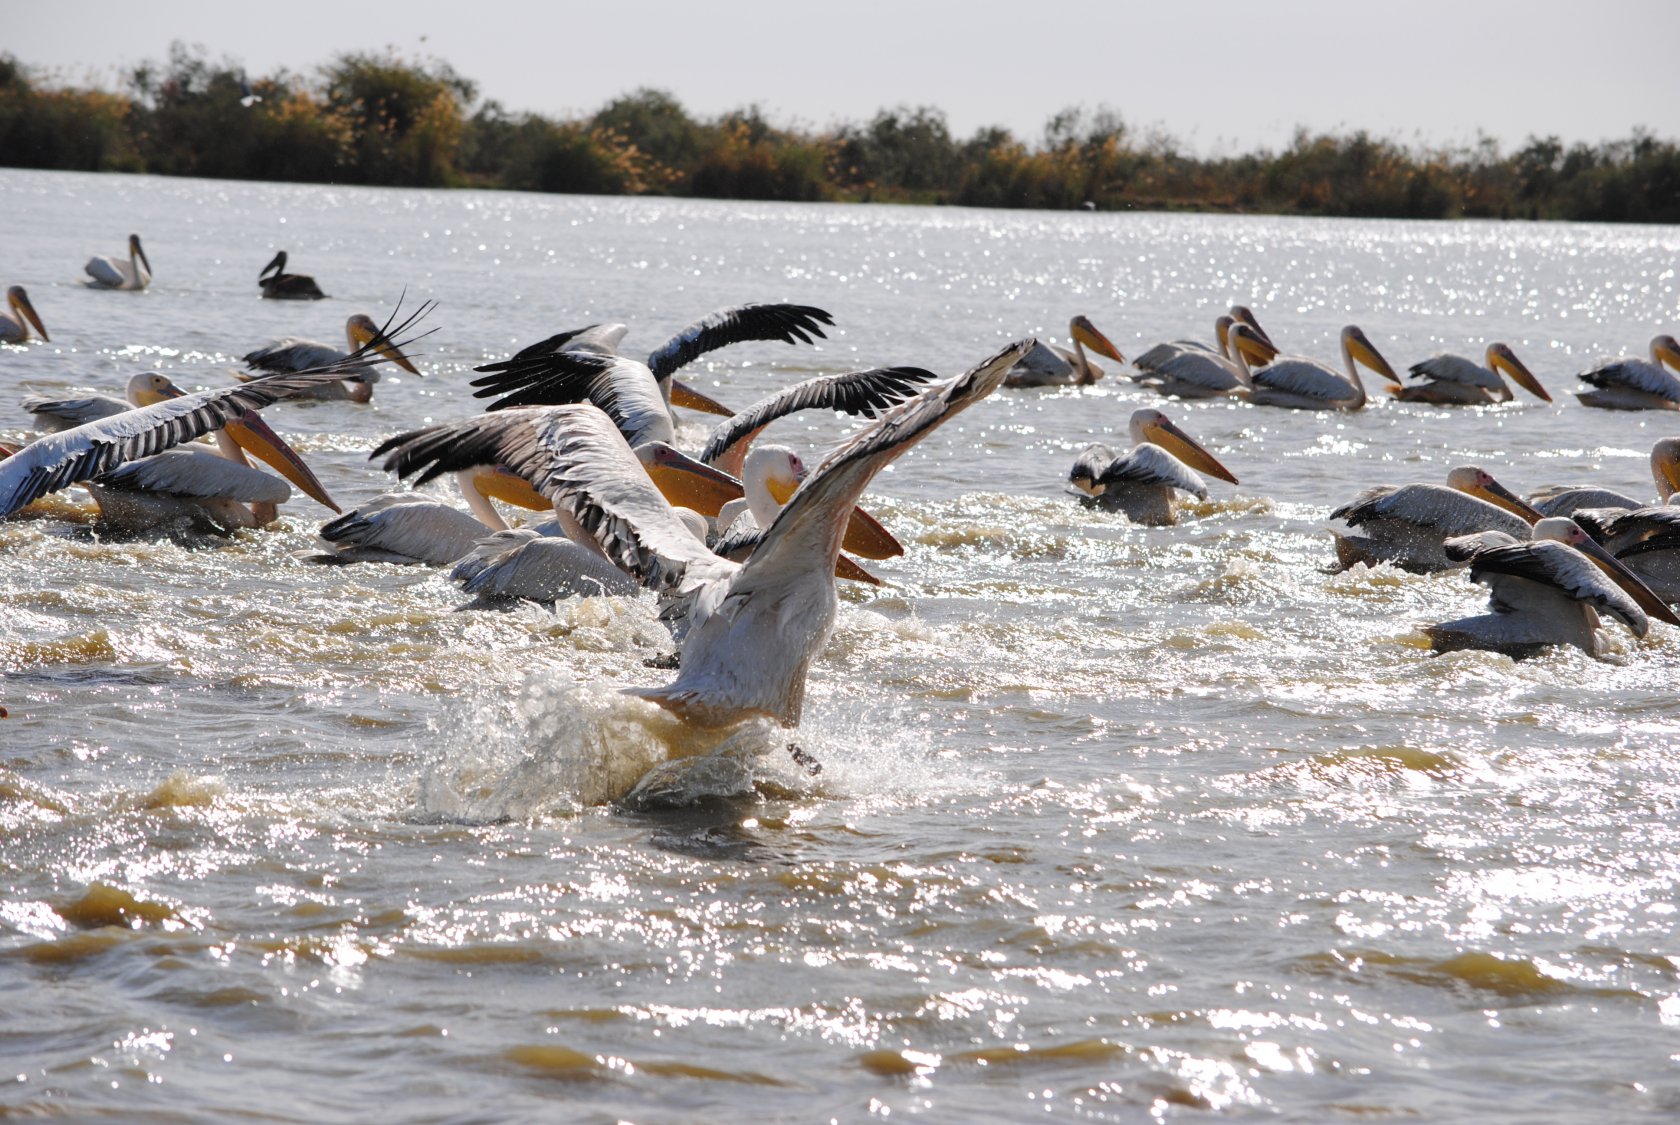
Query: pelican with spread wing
[1144, 481]
[1049, 366]
[133, 272]
[750, 630]
[364, 338]
[1452, 380]
[18, 317]
[1633, 383]
[1408, 525]
[1545, 592]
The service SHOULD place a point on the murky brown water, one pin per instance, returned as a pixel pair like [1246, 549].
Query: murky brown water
[1115, 822]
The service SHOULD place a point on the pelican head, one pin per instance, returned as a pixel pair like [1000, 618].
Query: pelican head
[1666, 349]
[19, 302]
[685, 481]
[1501, 358]
[1254, 348]
[1155, 428]
[149, 388]
[777, 470]
[1562, 529]
[362, 331]
[1081, 329]
[1665, 467]
[1242, 314]
[277, 266]
[1479, 483]
[136, 251]
[1358, 346]
[1222, 333]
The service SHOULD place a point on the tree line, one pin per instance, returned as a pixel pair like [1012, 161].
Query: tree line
[367, 118]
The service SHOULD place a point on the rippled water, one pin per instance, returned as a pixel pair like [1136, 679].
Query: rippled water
[1115, 822]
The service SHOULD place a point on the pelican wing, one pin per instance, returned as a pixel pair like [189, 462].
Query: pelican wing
[528, 564]
[1636, 375]
[1463, 548]
[1201, 368]
[198, 472]
[790, 324]
[291, 354]
[1456, 369]
[403, 527]
[624, 388]
[859, 393]
[1562, 568]
[53, 415]
[1043, 363]
[1150, 464]
[810, 527]
[1564, 501]
[1432, 507]
[1304, 377]
[603, 339]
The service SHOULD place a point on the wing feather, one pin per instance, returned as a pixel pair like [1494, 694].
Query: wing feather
[859, 393]
[788, 323]
[1566, 570]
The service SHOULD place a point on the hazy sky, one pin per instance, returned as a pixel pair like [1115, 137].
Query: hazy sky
[1215, 74]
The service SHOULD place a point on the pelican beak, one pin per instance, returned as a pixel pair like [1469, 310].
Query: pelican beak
[1256, 351]
[1365, 352]
[1242, 314]
[1181, 445]
[686, 482]
[276, 265]
[866, 537]
[1668, 470]
[1497, 494]
[852, 572]
[135, 248]
[1086, 333]
[1667, 350]
[688, 398]
[1504, 359]
[364, 332]
[1628, 581]
[510, 488]
[20, 301]
[253, 435]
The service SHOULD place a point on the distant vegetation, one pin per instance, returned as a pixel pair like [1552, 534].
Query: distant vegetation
[381, 119]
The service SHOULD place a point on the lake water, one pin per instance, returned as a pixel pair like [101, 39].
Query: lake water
[1116, 822]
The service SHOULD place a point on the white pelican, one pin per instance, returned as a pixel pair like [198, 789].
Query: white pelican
[1452, 380]
[752, 628]
[1190, 369]
[283, 286]
[406, 528]
[1633, 383]
[1306, 384]
[116, 273]
[1407, 525]
[296, 354]
[1545, 592]
[1646, 540]
[16, 319]
[1144, 482]
[1048, 366]
[539, 564]
[583, 365]
[94, 448]
[1565, 501]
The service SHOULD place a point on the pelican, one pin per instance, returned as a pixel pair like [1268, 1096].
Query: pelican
[584, 364]
[1408, 525]
[1665, 470]
[1633, 383]
[1306, 384]
[1452, 380]
[15, 323]
[1546, 592]
[1047, 366]
[115, 273]
[283, 286]
[1646, 540]
[294, 354]
[540, 564]
[94, 448]
[1190, 369]
[750, 629]
[769, 478]
[1144, 482]
[405, 528]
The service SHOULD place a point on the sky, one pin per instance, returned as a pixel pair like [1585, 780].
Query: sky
[1217, 75]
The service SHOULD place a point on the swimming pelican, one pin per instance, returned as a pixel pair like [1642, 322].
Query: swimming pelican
[1048, 366]
[565, 367]
[1545, 592]
[1566, 501]
[1306, 384]
[87, 451]
[751, 629]
[405, 528]
[116, 273]
[293, 353]
[1144, 482]
[1190, 369]
[14, 324]
[1452, 380]
[285, 286]
[1407, 525]
[1633, 383]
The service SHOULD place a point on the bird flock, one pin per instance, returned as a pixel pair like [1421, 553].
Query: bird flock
[743, 542]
